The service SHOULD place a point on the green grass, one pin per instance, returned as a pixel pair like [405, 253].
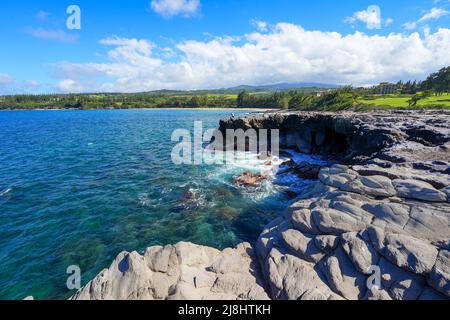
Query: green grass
[226, 96]
[401, 101]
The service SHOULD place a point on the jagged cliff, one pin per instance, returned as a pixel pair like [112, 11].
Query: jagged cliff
[385, 208]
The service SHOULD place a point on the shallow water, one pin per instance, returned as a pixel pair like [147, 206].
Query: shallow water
[79, 187]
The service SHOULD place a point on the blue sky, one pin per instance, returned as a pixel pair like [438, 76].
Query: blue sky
[137, 45]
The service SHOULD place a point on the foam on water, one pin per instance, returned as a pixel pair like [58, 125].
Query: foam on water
[298, 157]
[240, 162]
[5, 192]
[77, 188]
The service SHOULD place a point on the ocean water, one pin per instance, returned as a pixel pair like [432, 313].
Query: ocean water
[79, 187]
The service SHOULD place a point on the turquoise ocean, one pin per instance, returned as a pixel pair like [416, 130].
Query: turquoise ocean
[79, 187]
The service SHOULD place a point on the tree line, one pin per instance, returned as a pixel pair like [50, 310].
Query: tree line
[438, 83]
[336, 99]
[115, 101]
[321, 99]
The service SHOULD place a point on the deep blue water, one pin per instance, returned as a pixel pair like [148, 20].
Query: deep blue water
[79, 187]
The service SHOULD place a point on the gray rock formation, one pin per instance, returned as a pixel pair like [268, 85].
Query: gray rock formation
[184, 271]
[346, 232]
[376, 228]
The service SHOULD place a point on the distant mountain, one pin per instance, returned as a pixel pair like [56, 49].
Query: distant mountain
[285, 86]
[306, 86]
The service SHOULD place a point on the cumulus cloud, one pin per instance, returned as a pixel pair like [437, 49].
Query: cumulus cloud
[141, 47]
[70, 85]
[48, 34]
[288, 53]
[170, 8]
[371, 17]
[433, 14]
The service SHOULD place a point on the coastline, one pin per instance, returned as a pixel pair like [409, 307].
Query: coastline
[178, 109]
[388, 207]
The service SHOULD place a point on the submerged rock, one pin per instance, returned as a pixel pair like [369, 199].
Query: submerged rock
[189, 200]
[249, 179]
[228, 213]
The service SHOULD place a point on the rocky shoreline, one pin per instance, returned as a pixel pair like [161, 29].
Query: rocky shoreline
[382, 214]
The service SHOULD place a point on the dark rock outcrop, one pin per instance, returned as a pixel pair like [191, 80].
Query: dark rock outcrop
[303, 170]
[416, 135]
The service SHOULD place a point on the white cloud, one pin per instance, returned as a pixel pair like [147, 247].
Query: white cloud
[288, 53]
[26, 86]
[8, 85]
[5, 79]
[260, 25]
[70, 85]
[388, 22]
[410, 25]
[170, 8]
[131, 45]
[371, 17]
[433, 14]
[47, 34]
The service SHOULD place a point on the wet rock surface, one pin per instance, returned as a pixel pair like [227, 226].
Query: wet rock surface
[383, 214]
[249, 179]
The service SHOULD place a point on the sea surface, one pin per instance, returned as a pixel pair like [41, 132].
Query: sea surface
[79, 187]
